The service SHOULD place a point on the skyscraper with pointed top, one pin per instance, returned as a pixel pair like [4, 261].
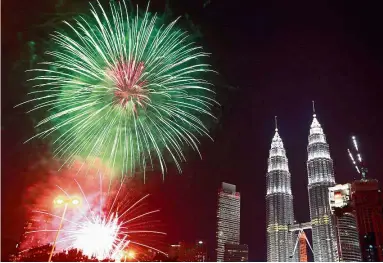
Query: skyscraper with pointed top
[320, 178]
[279, 203]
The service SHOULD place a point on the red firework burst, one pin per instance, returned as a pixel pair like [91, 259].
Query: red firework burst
[127, 77]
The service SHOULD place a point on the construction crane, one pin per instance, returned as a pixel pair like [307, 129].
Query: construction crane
[357, 161]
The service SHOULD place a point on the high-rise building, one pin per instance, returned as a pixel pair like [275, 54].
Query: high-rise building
[201, 251]
[228, 218]
[279, 204]
[175, 251]
[188, 252]
[349, 248]
[236, 253]
[367, 201]
[345, 222]
[320, 178]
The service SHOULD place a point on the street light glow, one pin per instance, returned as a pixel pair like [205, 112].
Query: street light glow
[75, 201]
[131, 254]
[58, 201]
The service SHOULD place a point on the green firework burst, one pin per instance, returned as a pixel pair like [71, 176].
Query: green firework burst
[124, 89]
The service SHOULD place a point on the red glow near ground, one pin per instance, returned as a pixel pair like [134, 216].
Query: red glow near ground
[103, 222]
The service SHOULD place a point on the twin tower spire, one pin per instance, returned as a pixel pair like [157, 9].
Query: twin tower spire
[279, 199]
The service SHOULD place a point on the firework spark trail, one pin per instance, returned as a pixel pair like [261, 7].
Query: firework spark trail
[123, 88]
[102, 233]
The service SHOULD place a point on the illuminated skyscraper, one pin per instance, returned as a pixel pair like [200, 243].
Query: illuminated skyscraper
[349, 248]
[279, 204]
[228, 218]
[345, 221]
[320, 178]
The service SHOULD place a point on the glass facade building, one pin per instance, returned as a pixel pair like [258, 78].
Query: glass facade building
[347, 230]
[349, 248]
[228, 219]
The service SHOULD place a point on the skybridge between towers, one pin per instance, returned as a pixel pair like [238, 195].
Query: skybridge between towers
[301, 239]
[299, 226]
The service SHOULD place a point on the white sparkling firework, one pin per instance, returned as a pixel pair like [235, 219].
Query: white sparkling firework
[102, 229]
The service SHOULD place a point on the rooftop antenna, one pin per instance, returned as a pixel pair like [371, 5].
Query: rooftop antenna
[276, 124]
[314, 109]
[357, 162]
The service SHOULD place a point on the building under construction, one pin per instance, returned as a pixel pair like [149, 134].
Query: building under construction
[367, 201]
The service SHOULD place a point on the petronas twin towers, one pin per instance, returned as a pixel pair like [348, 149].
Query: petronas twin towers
[279, 203]
[279, 200]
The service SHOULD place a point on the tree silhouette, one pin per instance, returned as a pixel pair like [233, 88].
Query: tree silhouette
[41, 254]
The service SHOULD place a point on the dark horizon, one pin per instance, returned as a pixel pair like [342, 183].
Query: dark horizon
[275, 58]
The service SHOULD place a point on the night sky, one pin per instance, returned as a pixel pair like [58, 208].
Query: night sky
[274, 58]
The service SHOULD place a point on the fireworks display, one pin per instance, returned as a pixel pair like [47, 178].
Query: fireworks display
[102, 224]
[125, 89]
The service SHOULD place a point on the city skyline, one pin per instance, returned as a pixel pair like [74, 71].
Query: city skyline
[272, 60]
[329, 234]
[277, 149]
